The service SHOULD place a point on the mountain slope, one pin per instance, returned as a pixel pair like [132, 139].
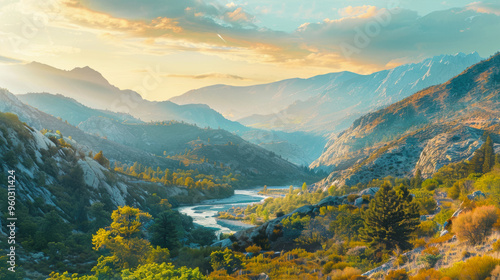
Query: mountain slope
[151, 143]
[69, 109]
[298, 147]
[40, 120]
[90, 88]
[438, 125]
[335, 108]
[237, 102]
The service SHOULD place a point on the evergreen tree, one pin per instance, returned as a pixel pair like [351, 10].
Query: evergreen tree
[483, 159]
[390, 219]
[489, 155]
[165, 233]
[416, 182]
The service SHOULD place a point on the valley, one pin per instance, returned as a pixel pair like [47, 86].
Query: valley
[288, 155]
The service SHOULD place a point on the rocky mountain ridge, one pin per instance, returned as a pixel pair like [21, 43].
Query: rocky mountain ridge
[437, 125]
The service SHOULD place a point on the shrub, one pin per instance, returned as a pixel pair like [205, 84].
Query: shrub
[399, 274]
[427, 228]
[400, 260]
[496, 245]
[254, 249]
[418, 242]
[430, 184]
[352, 197]
[427, 274]
[345, 274]
[475, 268]
[454, 191]
[430, 260]
[474, 226]
[328, 267]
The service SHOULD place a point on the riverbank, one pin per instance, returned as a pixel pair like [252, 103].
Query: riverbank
[205, 213]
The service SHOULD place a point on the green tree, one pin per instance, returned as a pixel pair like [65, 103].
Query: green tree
[416, 182]
[165, 232]
[489, 155]
[390, 219]
[227, 260]
[124, 238]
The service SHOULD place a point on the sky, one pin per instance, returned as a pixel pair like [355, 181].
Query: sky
[188, 44]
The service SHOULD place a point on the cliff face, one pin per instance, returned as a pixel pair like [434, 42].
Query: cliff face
[45, 170]
[435, 126]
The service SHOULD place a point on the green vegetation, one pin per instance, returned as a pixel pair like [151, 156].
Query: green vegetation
[391, 218]
[217, 185]
[273, 207]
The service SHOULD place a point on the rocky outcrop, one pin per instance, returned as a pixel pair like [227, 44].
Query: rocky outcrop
[431, 128]
[268, 230]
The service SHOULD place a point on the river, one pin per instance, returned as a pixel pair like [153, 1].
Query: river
[204, 214]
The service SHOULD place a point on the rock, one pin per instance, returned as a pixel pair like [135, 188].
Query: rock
[306, 209]
[263, 276]
[443, 232]
[224, 243]
[358, 202]
[369, 191]
[476, 195]
[330, 201]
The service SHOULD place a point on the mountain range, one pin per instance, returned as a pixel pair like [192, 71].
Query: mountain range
[90, 88]
[152, 143]
[431, 128]
[326, 103]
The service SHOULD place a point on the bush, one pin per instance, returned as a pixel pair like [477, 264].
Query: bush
[430, 184]
[352, 197]
[496, 245]
[345, 274]
[475, 268]
[474, 226]
[427, 228]
[427, 274]
[254, 249]
[399, 274]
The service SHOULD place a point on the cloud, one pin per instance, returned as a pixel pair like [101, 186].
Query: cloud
[365, 11]
[208, 76]
[485, 7]
[239, 15]
[386, 35]
[364, 39]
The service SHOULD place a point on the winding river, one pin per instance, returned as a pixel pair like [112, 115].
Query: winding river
[204, 214]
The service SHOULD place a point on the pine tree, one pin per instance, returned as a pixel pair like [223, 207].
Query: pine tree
[391, 218]
[489, 155]
[165, 233]
[416, 182]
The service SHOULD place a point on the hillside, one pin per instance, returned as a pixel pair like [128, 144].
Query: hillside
[192, 144]
[61, 197]
[69, 109]
[439, 124]
[40, 120]
[90, 88]
[162, 144]
[298, 147]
